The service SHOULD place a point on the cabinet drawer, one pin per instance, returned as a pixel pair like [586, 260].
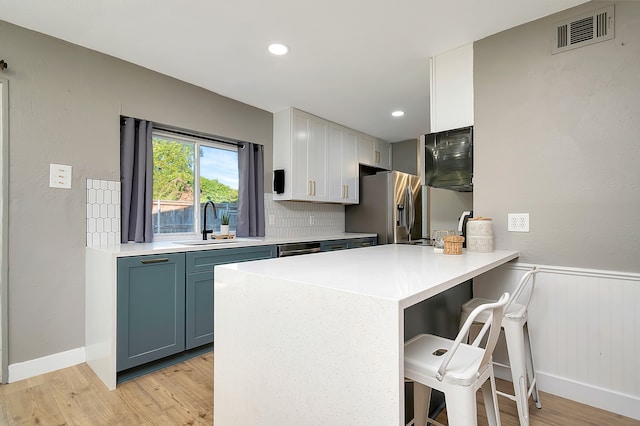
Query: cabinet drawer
[334, 245]
[200, 261]
[362, 242]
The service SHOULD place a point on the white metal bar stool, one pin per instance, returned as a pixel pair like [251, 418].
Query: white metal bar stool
[516, 333]
[457, 369]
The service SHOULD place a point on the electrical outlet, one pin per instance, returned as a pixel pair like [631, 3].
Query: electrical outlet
[518, 222]
[311, 220]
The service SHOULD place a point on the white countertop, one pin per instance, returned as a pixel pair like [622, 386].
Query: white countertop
[319, 339]
[403, 273]
[160, 247]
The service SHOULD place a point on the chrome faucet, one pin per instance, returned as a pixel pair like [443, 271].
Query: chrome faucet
[206, 231]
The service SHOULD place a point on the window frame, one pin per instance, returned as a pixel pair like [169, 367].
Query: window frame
[198, 142]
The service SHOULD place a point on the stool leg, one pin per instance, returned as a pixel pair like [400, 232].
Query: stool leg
[491, 399]
[421, 401]
[461, 406]
[513, 331]
[530, 367]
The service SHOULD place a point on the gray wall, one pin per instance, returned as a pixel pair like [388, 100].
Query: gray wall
[404, 156]
[64, 107]
[557, 136]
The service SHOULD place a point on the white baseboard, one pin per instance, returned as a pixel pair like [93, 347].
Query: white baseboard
[46, 364]
[605, 399]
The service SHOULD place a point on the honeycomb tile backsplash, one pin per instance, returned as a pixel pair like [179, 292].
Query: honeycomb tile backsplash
[284, 219]
[103, 212]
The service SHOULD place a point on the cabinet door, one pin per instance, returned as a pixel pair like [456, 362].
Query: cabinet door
[366, 149]
[343, 165]
[383, 155]
[336, 186]
[200, 287]
[301, 184]
[349, 171]
[317, 160]
[199, 309]
[310, 141]
[150, 309]
[451, 81]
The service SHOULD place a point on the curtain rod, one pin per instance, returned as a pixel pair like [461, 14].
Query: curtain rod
[170, 129]
[195, 135]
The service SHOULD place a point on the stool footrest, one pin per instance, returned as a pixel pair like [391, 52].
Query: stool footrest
[513, 397]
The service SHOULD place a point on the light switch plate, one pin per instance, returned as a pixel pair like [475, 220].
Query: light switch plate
[59, 176]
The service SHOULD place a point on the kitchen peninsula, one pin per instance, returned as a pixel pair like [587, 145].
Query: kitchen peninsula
[318, 339]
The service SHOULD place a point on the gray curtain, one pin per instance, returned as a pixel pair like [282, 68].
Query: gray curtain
[136, 176]
[250, 190]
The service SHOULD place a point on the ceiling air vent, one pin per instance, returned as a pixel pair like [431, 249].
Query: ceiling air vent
[584, 30]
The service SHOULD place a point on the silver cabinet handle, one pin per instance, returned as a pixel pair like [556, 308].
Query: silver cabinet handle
[310, 192]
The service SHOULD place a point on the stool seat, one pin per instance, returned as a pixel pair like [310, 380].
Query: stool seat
[457, 369]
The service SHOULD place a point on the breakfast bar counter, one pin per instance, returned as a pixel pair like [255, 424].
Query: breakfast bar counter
[318, 339]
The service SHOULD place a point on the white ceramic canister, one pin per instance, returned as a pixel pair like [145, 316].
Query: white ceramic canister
[480, 235]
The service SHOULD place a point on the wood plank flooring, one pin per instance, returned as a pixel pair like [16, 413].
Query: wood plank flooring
[178, 395]
[183, 395]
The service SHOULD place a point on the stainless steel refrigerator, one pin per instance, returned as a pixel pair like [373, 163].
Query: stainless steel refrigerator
[390, 205]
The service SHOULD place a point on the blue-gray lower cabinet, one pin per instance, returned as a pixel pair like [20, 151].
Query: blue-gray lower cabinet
[199, 302]
[150, 309]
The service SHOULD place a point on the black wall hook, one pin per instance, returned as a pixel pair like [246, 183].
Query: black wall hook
[3, 65]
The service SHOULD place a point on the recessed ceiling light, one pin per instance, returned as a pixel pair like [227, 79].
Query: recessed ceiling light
[397, 113]
[278, 49]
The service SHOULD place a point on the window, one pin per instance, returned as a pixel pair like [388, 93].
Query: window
[179, 174]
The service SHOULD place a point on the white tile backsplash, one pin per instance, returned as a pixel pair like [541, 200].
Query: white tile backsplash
[284, 219]
[103, 212]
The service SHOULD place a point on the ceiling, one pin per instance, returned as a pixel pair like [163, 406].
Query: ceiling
[350, 61]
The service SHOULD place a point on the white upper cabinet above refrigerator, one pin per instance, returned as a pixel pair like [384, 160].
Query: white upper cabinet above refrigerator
[374, 152]
[451, 85]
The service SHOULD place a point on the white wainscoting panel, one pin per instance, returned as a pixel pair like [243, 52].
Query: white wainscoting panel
[585, 333]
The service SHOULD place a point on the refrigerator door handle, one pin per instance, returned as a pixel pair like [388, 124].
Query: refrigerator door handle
[411, 214]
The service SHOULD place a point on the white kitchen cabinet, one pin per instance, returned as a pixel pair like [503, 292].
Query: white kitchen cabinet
[374, 152]
[300, 148]
[343, 165]
[451, 84]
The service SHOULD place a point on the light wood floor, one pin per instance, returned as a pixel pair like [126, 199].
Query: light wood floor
[183, 395]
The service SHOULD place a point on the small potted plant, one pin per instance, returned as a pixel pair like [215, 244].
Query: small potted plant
[224, 223]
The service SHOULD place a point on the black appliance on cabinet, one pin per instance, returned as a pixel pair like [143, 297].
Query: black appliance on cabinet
[449, 159]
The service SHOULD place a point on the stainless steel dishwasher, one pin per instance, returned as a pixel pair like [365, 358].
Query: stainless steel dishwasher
[296, 249]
